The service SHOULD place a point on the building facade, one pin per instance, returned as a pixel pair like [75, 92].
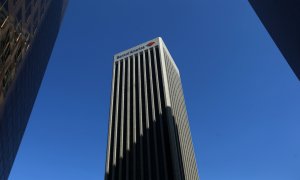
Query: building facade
[149, 136]
[282, 21]
[28, 30]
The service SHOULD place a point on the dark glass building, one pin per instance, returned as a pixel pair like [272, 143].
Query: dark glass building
[149, 136]
[282, 20]
[28, 30]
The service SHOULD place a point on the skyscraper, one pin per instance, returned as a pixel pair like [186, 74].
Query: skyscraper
[149, 135]
[28, 30]
[282, 20]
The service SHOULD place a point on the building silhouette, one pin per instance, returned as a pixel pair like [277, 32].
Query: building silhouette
[282, 20]
[28, 30]
[149, 136]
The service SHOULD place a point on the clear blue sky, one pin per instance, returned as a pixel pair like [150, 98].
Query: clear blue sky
[242, 98]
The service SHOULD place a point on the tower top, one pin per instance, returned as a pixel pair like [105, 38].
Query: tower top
[144, 46]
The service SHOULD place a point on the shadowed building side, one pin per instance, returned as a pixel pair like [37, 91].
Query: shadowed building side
[149, 136]
[282, 20]
[27, 36]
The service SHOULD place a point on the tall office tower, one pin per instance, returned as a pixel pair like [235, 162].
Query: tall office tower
[149, 136]
[282, 20]
[28, 30]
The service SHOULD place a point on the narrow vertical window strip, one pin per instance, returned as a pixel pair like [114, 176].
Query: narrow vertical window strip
[162, 162]
[141, 134]
[116, 125]
[112, 104]
[153, 120]
[122, 120]
[144, 116]
[134, 120]
[163, 126]
[137, 112]
[128, 121]
[148, 175]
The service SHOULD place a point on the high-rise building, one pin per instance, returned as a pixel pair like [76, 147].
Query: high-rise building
[149, 135]
[28, 30]
[282, 20]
